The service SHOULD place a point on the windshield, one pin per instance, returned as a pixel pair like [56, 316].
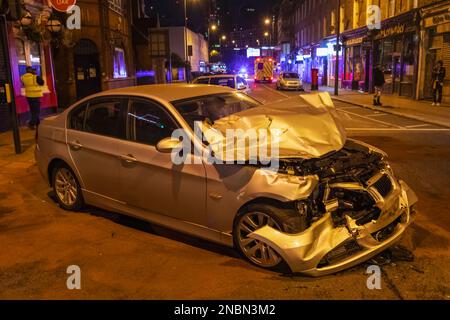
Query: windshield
[290, 75]
[213, 108]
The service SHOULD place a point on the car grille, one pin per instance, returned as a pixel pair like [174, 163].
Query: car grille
[339, 253]
[383, 185]
[386, 232]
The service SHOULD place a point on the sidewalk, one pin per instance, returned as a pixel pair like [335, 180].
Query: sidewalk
[8, 158]
[409, 108]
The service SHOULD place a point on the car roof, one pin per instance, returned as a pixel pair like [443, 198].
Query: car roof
[169, 92]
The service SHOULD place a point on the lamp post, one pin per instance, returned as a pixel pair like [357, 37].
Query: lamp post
[338, 46]
[15, 122]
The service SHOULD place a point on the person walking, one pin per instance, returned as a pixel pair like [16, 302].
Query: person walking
[439, 74]
[378, 81]
[33, 92]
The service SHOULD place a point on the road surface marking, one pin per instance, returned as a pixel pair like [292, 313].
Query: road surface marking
[276, 91]
[378, 114]
[374, 120]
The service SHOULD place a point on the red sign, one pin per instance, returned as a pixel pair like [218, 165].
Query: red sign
[62, 5]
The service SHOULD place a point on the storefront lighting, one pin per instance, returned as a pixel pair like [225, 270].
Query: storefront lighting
[26, 19]
[322, 52]
[54, 25]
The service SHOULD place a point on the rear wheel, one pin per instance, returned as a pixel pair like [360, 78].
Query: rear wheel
[67, 188]
[255, 217]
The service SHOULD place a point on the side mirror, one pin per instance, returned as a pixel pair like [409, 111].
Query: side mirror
[168, 144]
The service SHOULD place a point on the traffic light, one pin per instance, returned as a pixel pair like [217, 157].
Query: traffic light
[12, 9]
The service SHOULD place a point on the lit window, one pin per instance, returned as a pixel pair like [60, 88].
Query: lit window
[116, 5]
[120, 69]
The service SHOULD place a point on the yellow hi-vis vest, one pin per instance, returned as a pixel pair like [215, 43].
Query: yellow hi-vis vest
[32, 89]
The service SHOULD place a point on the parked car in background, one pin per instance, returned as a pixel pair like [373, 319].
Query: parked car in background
[330, 204]
[289, 81]
[233, 81]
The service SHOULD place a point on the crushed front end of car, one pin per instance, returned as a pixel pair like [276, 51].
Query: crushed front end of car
[358, 209]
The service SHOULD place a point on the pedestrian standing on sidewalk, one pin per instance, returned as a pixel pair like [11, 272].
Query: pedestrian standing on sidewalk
[439, 73]
[33, 92]
[378, 81]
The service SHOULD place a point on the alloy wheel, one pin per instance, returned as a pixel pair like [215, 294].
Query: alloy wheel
[66, 187]
[255, 250]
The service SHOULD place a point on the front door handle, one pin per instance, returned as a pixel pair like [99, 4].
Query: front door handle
[75, 145]
[128, 158]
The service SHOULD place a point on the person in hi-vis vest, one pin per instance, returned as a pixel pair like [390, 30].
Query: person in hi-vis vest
[33, 91]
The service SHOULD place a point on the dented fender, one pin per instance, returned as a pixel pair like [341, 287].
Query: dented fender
[304, 252]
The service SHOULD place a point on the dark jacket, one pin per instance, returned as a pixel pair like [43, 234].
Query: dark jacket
[378, 78]
[439, 75]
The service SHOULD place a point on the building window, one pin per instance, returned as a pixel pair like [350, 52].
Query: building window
[120, 69]
[391, 8]
[355, 14]
[116, 5]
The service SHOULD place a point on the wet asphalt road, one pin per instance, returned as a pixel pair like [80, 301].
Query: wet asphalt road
[121, 258]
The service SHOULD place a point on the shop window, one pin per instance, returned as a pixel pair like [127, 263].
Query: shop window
[116, 5]
[21, 56]
[408, 59]
[120, 69]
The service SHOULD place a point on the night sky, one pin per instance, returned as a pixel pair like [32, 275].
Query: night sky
[232, 13]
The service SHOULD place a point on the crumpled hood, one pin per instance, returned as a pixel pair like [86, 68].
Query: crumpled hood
[308, 128]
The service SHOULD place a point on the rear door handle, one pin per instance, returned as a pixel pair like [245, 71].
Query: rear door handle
[75, 145]
[128, 158]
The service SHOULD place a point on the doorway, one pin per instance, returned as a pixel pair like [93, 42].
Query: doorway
[87, 68]
[396, 73]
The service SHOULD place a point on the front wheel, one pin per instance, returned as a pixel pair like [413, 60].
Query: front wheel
[67, 188]
[255, 217]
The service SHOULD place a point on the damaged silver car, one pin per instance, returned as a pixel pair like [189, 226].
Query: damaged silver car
[331, 202]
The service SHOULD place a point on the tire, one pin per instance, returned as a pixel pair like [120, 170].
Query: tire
[256, 252]
[66, 188]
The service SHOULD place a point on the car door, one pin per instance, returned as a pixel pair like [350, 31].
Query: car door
[92, 135]
[149, 179]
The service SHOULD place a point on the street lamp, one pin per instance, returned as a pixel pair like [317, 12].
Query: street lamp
[267, 21]
[213, 27]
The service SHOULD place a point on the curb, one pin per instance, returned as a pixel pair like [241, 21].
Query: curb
[400, 114]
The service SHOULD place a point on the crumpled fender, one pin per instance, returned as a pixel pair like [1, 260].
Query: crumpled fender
[303, 251]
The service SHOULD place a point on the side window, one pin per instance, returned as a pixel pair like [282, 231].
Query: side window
[149, 123]
[241, 82]
[202, 81]
[106, 117]
[76, 118]
[224, 82]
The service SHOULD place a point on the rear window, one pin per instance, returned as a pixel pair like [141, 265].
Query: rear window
[202, 81]
[291, 75]
[224, 82]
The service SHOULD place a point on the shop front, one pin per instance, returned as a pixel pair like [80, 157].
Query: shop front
[395, 48]
[25, 50]
[436, 40]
